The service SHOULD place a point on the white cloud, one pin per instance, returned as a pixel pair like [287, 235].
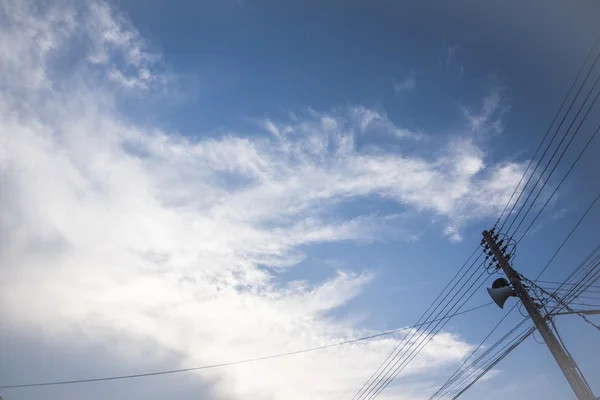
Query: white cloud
[115, 42]
[118, 231]
[488, 119]
[372, 121]
[407, 84]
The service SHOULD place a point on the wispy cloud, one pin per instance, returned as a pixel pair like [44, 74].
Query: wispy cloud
[489, 118]
[374, 121]
[406, 84]
[451, 50]
[116, 44]
[123, 230]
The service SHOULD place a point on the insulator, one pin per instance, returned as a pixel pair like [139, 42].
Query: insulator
[500, 242]
[486, 257]
[491, 264]
[494, 259]
[508, 257]
[486, 247]
[504, 249]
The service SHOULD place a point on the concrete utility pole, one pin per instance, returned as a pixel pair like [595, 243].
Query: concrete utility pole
[564, 360]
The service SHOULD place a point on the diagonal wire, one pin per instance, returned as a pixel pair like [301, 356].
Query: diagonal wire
[471, 375]
[495, 362]
[563, 283]
[568, 237]
[392, 366]
[456, 374]
[429, 336]
[424, 316]
[394, 362]
[561, 123]
[556, 150]
[547, 133]
[560, 183]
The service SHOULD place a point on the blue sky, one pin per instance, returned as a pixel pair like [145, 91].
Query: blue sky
[209, 181]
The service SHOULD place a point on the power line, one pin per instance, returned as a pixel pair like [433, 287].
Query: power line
[366, 387]
[472, 373]
[494, 362]
[397, 368]
[175, 371]
[559, 184]
[557, 130]
[594, 256]
[587, 279]
[559, 144]
[568, 236]
[561, 283]
[417, 345]
[546, 135]
[587, 292]
[584, 304]
[456, 374]
[565, 305]
[587, 297]
[566, 289]
[392, 364]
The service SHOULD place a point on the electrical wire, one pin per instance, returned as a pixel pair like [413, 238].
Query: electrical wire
[587, 58]
[587, 297]
[556, 151]
[429, 336]
[484, 360]
[591, 290]
[397, 363]
[457, 373]
[568, 237]
[594, 256]
[561, 123]
[495, 362]
[429, 313]
[558, 186]
[574, 292]
[174, 371]
[486, 363]
[562, 283]
[583, 282]
[565, 305]
[425, 316]
[588, 278]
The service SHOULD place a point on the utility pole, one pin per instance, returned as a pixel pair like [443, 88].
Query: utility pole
[564, 360]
